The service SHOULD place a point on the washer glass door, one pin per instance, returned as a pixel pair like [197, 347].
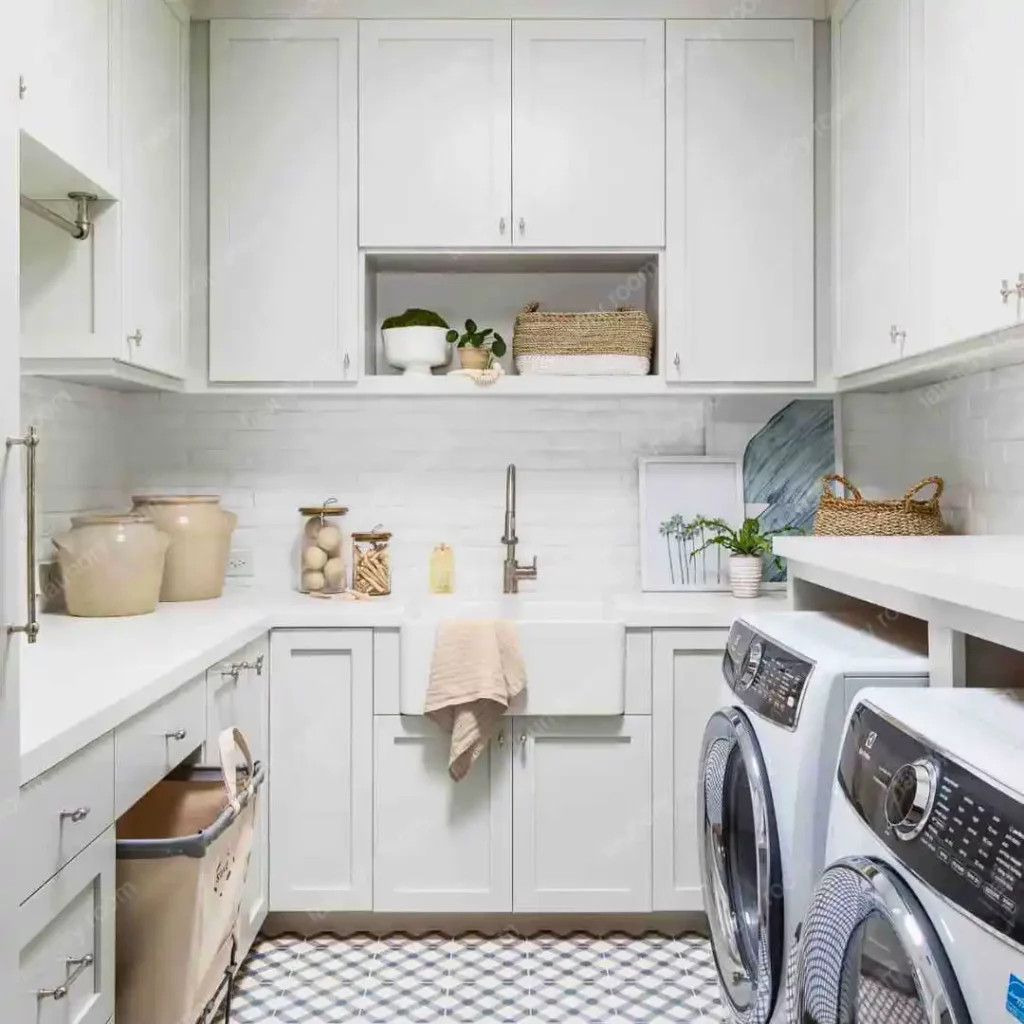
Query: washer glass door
[868, 954]
[741, 867]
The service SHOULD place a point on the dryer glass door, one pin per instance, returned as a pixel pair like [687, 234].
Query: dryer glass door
[868, 953]
[740, 865]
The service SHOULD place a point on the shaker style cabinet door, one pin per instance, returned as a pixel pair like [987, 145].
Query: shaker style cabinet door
[740, 201]
[321, 770]
[435, 133]
[284, 259]
[440, 846]
[581, 799]
[871, 197]
[153, 184]
[970, 169]
[588, 136]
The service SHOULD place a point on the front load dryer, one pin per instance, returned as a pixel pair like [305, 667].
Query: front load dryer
[767, 764]
[919, 916]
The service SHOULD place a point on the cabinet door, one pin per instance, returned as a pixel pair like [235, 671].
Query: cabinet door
[284, 294]
[435, 133]
[971, 167]
[238, 698]
[871, 133]
[438, 845]
[581, 815]
[321, 758]
[740, 195]
[153, 203]
[588, 138]
[687, 691]
[69, 109]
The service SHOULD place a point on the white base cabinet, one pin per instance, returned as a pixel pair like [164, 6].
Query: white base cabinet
[687, 691]
[321, 761]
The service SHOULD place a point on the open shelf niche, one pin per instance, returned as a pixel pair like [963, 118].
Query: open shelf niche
[492, 287]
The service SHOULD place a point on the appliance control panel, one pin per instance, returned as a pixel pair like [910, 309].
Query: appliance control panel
[764, 675]
[955, 830]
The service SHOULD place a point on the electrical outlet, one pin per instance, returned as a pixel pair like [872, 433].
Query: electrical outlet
[239, 562]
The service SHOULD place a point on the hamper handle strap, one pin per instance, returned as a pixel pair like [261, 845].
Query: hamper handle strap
[933, 501]
[839, 478]
[229, 742]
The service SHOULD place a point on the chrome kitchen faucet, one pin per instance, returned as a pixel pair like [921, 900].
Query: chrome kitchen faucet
[514, 572]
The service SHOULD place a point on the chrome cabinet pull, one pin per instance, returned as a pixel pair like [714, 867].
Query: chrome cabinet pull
[501, 225]
[136, 337]
[77, 815]
[31, 443]
[236, 667]
[896, 335]
[501, 738]
[522, 744]
[22, 87]
[522, 225]
[345, 364]
[81, 964]
[1017, 289]
[178, 734]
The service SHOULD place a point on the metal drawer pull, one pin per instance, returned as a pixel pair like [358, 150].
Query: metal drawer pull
[77, 815]
[31, 443]
[178, 734]
[81, 964]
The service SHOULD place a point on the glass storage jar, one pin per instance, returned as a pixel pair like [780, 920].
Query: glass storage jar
[371, 563]
[321, 553]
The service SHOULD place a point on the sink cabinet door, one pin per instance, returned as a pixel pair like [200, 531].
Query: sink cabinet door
[687, 691]
[439, 845]
[582, 814]
[321, 759]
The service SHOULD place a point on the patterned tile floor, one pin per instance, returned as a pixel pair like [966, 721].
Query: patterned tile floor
[397, 978]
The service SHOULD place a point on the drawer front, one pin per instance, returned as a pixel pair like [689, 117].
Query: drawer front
[64, 810]
[66, 967]
[151, 744]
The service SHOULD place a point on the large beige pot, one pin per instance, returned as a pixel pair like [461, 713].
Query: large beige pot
[200, 532]
[111, 564]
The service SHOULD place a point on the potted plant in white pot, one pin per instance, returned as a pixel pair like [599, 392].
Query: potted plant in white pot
[747, 547]
[416, 341]
[477, 348]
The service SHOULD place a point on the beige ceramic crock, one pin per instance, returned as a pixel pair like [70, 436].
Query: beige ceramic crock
[111, 564]
[200, 532]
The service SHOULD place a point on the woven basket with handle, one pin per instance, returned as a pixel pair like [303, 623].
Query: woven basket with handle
[619, 332]
[896, 517]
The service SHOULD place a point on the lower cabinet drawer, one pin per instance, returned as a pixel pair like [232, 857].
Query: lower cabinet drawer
[151, 744]
[64, 810]
[66, 967]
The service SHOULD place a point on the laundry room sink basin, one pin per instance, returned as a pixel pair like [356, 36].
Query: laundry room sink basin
[574, 653]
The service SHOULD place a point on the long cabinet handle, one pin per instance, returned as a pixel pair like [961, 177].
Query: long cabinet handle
[81, 964]
[30, 442]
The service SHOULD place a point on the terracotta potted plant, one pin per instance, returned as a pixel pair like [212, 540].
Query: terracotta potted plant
[477, 348]
[747, 548]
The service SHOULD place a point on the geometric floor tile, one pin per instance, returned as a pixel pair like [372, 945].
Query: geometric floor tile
[477, 979]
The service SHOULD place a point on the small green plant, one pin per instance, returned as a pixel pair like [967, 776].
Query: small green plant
[748, 540]
[487, 338]
[415, 318]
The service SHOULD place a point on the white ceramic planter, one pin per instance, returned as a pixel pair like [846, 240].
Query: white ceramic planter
[416, 349]
[745, 575]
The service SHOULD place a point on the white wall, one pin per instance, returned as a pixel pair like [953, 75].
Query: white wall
[970, 431]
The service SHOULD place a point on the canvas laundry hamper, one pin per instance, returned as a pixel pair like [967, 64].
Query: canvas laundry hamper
[182, 857]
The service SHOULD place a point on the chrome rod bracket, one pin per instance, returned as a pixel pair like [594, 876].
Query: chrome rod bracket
[80, 228]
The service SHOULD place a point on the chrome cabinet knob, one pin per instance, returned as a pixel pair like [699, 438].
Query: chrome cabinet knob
[1016, 289]
[136, 338]
[178, 734]
[896, 335]
[75, 816]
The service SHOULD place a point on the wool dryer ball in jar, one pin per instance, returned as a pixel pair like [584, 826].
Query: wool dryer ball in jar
[321, 558]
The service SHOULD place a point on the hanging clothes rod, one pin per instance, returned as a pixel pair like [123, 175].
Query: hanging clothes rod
[80, 227]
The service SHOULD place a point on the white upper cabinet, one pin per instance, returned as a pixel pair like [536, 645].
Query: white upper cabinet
[435, 133]
[971, 167]
[871, 157]
[588, 139]
[154, 186]
[740, 217]
[283, 196]
[69, 105]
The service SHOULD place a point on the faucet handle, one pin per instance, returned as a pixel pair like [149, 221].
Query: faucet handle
[527, 572]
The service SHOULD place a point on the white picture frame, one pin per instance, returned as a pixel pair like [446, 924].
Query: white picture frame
[686, 486]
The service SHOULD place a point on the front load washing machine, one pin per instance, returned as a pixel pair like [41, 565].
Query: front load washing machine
[919, 916]
[767, 765]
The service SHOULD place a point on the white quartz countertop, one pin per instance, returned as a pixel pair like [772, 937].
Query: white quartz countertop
[983, 574]
[85, 677]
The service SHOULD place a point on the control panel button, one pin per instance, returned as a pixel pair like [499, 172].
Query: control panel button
[910, 797]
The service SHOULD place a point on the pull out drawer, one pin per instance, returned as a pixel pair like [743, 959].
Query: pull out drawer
[66, 968]
[151, 744]
[64, 810]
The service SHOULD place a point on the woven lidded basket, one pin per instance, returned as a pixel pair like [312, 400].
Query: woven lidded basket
[895, 517]
[614, 342]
